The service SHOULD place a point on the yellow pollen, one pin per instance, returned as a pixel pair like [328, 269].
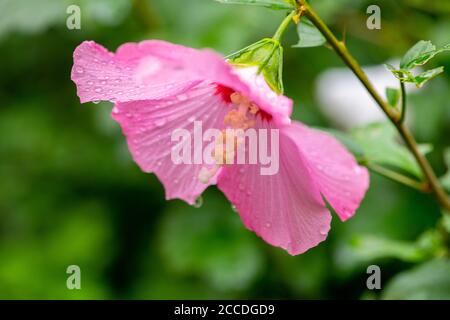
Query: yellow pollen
[241, 117]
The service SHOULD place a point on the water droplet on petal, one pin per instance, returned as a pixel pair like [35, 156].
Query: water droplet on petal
[79, 70]
[160, 122]
[324, 230]
[268, 225]
[347, 213]
[182, 97]
[96, 101]
[191, 119]
[233, 207]
[198, 202]
[90, 83]
[98, 89]
[241, 187]
[115, 110]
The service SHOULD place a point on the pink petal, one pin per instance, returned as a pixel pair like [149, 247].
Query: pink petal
[285, 209]
[340, 179]
[208, 65]
[148, 126]
[131, 74]
[158, 69]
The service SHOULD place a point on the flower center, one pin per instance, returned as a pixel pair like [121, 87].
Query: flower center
[241, 117]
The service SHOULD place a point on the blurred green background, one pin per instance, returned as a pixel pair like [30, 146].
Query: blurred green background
[70, 193]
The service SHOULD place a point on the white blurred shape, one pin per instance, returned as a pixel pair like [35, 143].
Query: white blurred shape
[344, 100]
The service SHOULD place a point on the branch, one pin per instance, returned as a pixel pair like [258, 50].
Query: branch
[394, 116]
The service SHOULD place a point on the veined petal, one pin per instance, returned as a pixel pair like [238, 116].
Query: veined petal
[286, 208]
[157, 69]
[148, 126]
[133, 73]
[208, 65]
[334, 169]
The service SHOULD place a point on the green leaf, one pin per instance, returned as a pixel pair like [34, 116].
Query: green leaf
[393, 96]
[401, 74]
[428, 281]
[419, 80]
[267, 55]
[421, 53]
[380, 146]
[309, 35]
[271, 4]
[422, 78]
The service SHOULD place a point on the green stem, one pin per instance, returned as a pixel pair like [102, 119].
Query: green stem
[403, 105]
[283, 26]
[432, 181]
[397, 177]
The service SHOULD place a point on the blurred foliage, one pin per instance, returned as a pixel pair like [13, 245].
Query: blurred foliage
[70, 193]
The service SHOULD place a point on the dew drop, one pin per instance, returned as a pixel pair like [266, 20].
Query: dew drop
[182, 97]
[347, 213]
[241, 187]
[98, 89]
[90, 83]
[115, 110]
[324, 230]
[198, 202]
[191, 119]
[268, 225]
[233, 207]
[96, 101]
[160, 122]
[79, 70]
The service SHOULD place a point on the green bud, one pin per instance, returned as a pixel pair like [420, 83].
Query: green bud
[267, 55]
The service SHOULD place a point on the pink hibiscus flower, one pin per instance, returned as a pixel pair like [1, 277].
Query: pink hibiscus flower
[158, 87]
